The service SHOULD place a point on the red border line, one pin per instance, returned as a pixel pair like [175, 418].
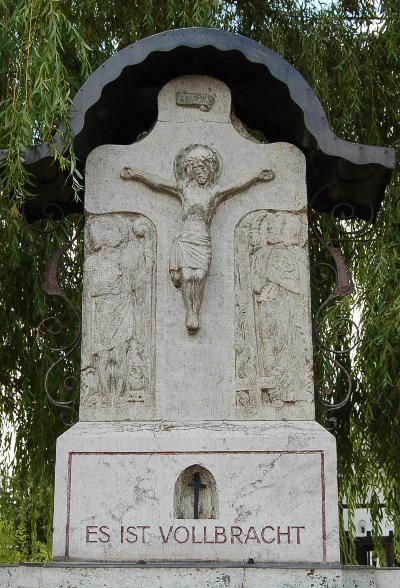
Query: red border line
[68, 504]
[323, 496]
[294, 452]
[305, 452]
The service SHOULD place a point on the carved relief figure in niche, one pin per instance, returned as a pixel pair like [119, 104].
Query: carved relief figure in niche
[275, 278]
[271, 283]
[197, 170]
[119, 276]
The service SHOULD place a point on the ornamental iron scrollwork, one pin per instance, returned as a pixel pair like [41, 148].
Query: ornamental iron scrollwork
[345, 228]
[52, 217]
[342, 217]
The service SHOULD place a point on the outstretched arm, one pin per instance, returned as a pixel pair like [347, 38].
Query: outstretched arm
[151, 180]
[266, 175]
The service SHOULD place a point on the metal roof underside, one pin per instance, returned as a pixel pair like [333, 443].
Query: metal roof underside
[119, 101]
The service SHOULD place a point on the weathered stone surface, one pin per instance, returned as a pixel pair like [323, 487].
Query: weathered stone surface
[118, 349]
[196, 182]
[8, 576]
[143, 576]
[197, 439]
[274, 498]
[272, 317]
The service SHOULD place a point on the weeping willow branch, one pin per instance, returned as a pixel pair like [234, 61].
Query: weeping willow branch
[348, 52]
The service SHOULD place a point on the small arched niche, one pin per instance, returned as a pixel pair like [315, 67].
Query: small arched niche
[195, 494]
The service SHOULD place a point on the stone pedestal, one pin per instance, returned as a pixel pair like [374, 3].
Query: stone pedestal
[197, 576]
[122, 493]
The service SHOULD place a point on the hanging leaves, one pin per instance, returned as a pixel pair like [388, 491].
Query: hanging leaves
[348, 52]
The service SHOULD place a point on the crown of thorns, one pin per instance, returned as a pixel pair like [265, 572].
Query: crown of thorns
[194, 153]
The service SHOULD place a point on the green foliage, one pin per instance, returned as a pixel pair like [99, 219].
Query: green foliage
[348, 51]
[17, 544]
[30, 423]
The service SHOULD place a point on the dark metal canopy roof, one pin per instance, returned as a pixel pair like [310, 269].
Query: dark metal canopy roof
[119, 101]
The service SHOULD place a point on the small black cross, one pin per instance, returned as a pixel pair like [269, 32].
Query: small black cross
[197, 486]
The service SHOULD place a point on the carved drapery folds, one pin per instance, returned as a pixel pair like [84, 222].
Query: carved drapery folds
[272, 355]
[118, 310]
[197, 169]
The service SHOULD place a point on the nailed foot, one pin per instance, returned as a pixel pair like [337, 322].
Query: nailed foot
[192, 323]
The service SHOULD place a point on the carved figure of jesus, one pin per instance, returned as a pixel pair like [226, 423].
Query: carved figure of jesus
[197, 169]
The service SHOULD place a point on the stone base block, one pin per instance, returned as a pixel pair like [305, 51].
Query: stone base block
[130, 576]
[214, 491]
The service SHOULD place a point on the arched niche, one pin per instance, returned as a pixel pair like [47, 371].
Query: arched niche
[195, 495]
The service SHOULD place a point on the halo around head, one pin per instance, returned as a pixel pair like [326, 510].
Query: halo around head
[195, 152]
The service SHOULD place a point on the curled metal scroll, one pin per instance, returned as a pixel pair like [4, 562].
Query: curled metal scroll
[50, 213]
[51, 325]
[342, 213]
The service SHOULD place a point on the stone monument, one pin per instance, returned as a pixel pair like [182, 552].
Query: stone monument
[197, 439]
[197, 460]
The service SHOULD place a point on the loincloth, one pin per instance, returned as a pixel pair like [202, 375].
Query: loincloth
[191, 249]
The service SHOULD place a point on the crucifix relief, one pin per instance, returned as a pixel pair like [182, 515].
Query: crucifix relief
[197, 170]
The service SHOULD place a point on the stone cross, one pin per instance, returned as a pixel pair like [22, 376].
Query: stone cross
[196, 379]
[197, 486]
[200, 205]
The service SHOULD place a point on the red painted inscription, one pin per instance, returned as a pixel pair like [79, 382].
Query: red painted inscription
[95, 534]
[199, 535]
[133, 534]
[234, 534]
